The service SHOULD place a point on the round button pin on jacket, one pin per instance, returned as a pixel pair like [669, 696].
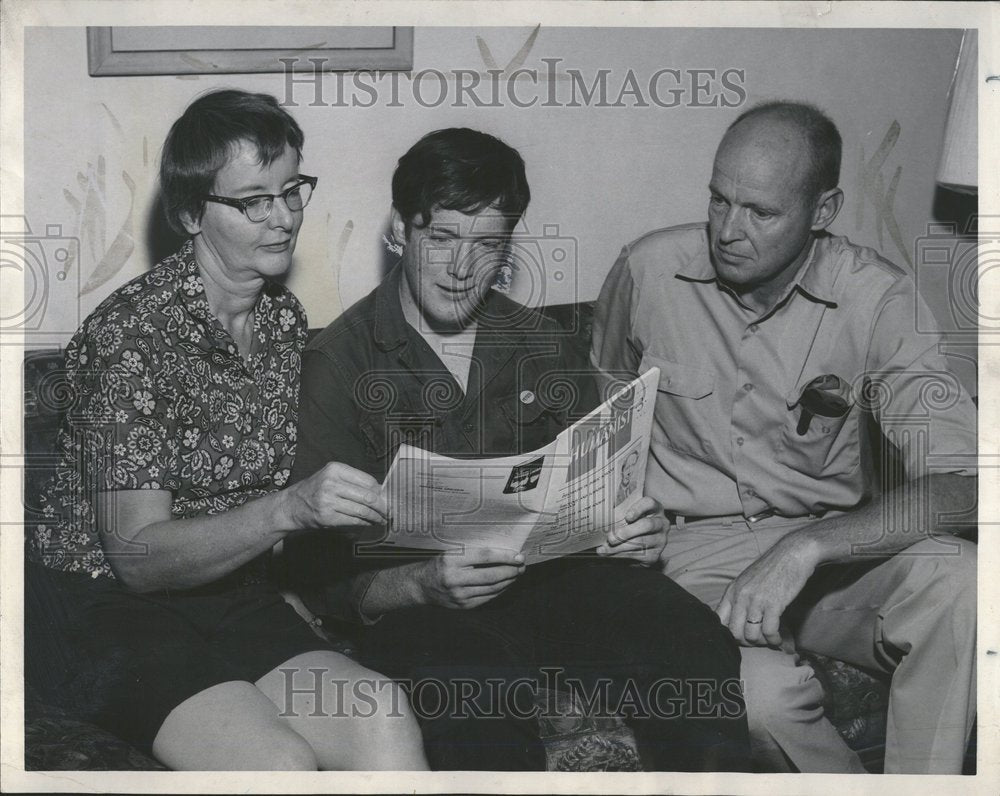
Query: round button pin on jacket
[527, 397]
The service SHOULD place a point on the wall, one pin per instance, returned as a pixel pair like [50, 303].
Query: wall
[600, 176]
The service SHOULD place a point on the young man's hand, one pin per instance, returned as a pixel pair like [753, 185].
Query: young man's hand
[643, 537]
[466, 579]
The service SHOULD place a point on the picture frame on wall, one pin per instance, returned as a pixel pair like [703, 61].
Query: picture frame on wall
[193, 50]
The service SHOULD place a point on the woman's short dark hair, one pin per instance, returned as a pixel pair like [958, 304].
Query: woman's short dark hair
[459, 169]
[207, 135]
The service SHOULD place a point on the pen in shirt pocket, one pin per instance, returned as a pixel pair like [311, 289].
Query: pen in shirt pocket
[824, 396]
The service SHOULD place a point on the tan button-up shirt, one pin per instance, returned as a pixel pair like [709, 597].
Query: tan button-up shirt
[728, 437]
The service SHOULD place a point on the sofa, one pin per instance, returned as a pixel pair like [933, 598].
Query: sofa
[56, 739]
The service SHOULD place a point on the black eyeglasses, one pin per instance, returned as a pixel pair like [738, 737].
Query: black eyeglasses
[258, 208]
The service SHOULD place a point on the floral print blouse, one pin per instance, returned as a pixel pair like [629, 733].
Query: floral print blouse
[163, 400]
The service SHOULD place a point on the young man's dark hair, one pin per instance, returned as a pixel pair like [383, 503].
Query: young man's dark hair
[459, 169]
[819, 132]
[203, 139]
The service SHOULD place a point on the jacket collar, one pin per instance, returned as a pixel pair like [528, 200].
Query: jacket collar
[390, 325]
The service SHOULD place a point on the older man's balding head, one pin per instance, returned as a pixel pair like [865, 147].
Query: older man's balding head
[807, 136]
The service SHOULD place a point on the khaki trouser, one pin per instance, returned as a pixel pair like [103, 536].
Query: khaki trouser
[912, 616]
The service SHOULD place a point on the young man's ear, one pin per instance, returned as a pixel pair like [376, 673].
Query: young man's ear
[398, 227]
[827, 207]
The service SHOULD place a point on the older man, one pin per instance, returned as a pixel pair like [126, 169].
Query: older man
[435, 357]
[773, 339]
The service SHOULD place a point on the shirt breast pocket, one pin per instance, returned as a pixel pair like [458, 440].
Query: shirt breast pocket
[373, 430]
[684, 404]
[820, 446]
[383, 434]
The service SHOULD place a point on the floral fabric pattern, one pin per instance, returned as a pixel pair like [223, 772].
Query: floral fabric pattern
[164, 400]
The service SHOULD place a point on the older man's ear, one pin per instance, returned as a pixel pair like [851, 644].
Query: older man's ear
[827, 207]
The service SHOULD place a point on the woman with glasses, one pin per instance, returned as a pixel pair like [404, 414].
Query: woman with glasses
[166, 504]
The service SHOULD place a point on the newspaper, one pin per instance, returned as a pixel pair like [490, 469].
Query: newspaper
[559, 499]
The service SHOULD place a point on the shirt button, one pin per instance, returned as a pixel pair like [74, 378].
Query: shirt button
[753, 328]
[748, 387]
[740, 441]
[467, 427]
[751, 493]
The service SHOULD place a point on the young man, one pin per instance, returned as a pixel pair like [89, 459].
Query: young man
[436, 358]
[773, 340]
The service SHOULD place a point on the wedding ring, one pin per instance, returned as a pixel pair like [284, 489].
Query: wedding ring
[754, 621]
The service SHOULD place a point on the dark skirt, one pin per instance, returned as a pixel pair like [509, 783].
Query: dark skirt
[126, 660]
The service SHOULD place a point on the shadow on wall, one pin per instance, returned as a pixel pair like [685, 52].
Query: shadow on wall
[161, 241]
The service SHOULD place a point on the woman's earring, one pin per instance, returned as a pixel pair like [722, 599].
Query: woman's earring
[392, 247]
